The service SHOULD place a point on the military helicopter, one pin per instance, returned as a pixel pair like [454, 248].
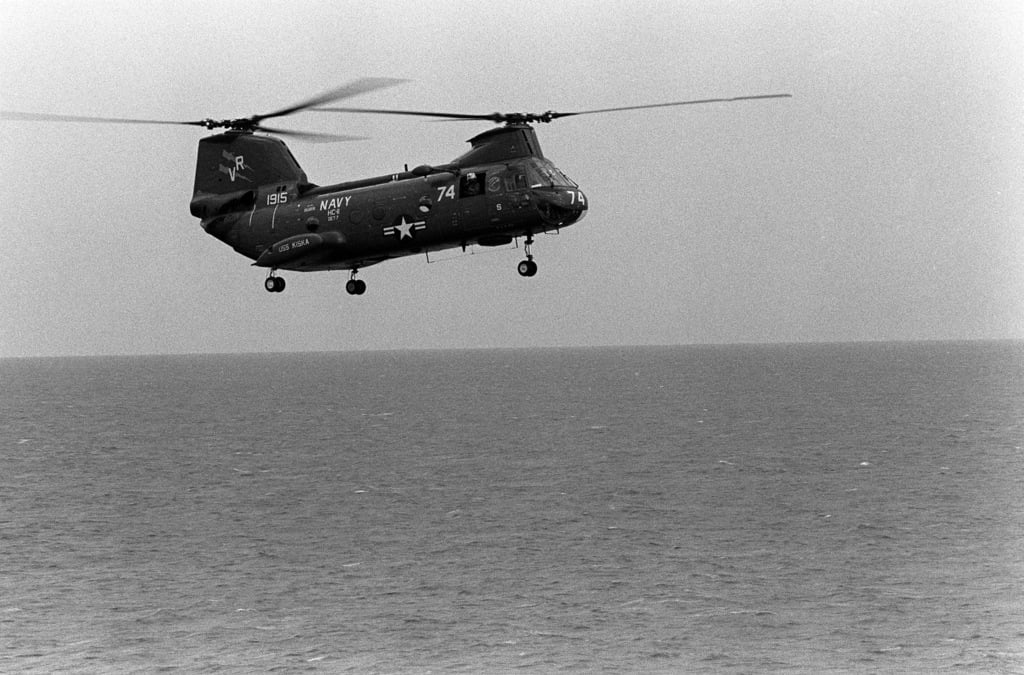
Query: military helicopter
[251, 193]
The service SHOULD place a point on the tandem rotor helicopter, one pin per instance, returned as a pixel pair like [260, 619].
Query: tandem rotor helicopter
[251, 194]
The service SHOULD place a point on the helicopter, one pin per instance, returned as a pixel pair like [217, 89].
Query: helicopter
[251, 194]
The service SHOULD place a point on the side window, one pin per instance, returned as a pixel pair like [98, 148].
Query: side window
[515, 182]
[471, 185]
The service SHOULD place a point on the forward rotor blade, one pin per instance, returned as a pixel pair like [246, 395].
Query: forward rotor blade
[311, 136]
[360, 86]
[537, 117]
[493, 117]
[45, 117]
[556, 115]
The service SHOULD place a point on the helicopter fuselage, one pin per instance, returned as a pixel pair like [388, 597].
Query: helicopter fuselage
[345, 226]
[501, 190]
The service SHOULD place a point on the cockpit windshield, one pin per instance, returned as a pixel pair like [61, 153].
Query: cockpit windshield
[545, 174]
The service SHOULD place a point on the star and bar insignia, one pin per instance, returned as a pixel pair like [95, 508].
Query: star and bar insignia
[405, 228]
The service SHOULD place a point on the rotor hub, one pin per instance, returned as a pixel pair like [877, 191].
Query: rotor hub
[238, 124]
[524, 118]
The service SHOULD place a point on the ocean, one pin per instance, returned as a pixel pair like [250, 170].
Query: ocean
[730, 509]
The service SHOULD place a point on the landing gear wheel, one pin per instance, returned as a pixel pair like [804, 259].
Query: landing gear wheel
[527, 268]
[355, 286]
[274, 284]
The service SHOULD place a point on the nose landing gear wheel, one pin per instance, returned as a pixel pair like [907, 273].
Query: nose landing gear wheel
[527, 268]
[274, 284]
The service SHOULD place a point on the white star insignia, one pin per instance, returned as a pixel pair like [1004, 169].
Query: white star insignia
[405, 228]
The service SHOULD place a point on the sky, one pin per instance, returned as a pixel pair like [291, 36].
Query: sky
[884, 201]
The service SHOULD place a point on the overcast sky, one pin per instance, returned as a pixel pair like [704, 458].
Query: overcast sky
[885, 201]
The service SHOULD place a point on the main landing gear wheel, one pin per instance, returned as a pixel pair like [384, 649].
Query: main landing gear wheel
[355, 286]
[274, 284]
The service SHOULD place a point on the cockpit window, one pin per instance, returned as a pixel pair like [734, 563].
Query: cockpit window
[545, 174]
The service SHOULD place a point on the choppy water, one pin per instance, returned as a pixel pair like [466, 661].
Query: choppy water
[807, 509]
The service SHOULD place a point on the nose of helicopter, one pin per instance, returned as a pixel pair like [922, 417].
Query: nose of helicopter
[561, 206]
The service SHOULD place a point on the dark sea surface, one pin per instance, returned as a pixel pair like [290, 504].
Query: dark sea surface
[744, 509]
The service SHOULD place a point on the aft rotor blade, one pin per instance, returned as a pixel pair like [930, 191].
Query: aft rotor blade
[45, 117]
[360, 86]
[312, 136]
[556, 115]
